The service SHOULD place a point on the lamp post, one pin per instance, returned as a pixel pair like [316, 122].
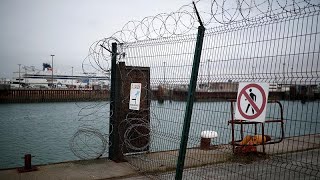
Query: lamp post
[164, 73]
[283, 72]
[208, 71]
[25, 74]
[201, 74]
[52, 70]
[253, 72]
[72, 77]
[19, 75]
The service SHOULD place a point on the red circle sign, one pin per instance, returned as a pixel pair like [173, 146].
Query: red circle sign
[258, 110]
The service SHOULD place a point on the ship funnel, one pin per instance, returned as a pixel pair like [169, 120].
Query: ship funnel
[46, 66]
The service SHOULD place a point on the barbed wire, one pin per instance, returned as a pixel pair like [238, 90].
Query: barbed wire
[88, 143]
[138, 125]
[184, 21]
[91, 139]
[214, 13]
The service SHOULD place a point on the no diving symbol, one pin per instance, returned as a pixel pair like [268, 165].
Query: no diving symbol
[251, 101]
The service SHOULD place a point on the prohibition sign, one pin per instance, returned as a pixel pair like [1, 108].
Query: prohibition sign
[252, 103]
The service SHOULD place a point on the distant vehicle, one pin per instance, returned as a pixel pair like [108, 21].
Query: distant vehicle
[62, 86]
[36, 86]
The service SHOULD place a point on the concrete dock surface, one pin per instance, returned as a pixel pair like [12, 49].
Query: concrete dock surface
[293, 158]
[293, 166]
[167, 160]
[81, 170]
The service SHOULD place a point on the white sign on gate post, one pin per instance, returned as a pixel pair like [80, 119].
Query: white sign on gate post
[135, 94]
[252, 101]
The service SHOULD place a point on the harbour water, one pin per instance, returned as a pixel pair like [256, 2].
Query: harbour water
[41, 129]
[45, 129]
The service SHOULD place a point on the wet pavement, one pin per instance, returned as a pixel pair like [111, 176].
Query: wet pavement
[294, 158]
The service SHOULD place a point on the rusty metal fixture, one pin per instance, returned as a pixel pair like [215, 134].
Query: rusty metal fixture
[245, 149]
[205, 143]
[27, 164]
[206, 136]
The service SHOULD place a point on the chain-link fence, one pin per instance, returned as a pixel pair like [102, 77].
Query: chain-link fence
[279, 46]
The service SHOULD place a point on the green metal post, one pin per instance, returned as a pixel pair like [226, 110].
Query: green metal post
[191, 94]
[115, 152]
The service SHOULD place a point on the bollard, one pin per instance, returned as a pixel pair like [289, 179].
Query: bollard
[27, 161]
[205, 143]
[206, 137]
[27, 164]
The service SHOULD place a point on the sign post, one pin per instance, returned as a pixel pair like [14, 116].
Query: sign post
[252, 100]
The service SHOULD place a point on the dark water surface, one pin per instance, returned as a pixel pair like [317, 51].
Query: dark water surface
[45, 129]
[42, 129]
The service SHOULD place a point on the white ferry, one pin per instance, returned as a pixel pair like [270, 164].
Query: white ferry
[30, 77]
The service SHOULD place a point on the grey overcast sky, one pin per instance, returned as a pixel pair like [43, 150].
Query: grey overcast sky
[31, 30]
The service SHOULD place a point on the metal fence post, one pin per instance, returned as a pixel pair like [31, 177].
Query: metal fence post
[115, 153]
[191, 94]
